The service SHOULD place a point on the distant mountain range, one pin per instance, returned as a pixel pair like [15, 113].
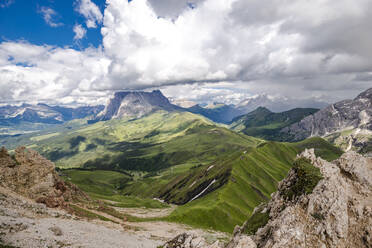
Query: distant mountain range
[347, 123]
[42, 113]
[136, 104]
[277, 104]
[220, 113]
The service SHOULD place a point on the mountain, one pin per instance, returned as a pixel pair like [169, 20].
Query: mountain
[277, 104]
[318, 204]
[221, 195]
[265, 124]
[42, 113]
[348, 121]
[135, 104]
[218, 113]
[223, 113]
[182, 103]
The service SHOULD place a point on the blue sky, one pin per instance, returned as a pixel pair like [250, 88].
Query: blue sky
[23, 20]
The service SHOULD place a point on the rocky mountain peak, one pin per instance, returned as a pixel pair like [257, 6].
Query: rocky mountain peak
[135, 104]
[365, 95]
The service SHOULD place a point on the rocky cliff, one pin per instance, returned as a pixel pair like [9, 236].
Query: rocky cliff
[321, 204]
[33, 176]
[135, 105]
[354, 116]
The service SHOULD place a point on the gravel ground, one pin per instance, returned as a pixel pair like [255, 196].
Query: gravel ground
[27, 224]
[24, 223]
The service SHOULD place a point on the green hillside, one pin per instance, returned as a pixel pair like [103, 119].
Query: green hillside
[263, 123]
[251, 178]
[212, 172]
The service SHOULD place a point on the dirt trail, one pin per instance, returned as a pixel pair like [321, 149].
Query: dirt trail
[146, 212]
[23, 223]
[157, 230]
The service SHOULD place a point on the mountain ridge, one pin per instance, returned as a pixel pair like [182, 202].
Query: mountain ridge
[348, 123]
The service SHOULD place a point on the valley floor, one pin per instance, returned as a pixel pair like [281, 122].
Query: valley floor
[24, 223]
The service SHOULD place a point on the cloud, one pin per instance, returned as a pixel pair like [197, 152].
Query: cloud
[280, 43]
[172, 9]
[50, 74]
[6, 3]
[90, 11]
[79, 31]
[227, 48]
[49, 16]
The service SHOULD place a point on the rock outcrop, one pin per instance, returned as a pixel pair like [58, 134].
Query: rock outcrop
[338, 212]
[33, 176]
[135, 104]
[332, 209]
[190, 240]
[344, 115]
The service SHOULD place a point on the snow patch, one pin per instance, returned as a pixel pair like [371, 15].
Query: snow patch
[364, 118]
[214, 180]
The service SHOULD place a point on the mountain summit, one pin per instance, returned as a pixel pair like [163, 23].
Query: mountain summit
[135, 104]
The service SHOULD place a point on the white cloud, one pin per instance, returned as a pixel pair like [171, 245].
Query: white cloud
[79, 31]
[48, 73]
[49, 16]
[228, 48]
[90, 11]
[274, 42]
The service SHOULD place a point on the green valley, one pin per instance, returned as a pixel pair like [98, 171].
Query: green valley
[209, 171]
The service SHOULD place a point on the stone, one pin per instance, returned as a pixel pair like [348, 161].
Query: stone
[336, 214]
[31, 175]
[56, 230]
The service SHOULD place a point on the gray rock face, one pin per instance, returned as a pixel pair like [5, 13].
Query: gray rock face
[337, 213]
[135, 105]
[347, 114]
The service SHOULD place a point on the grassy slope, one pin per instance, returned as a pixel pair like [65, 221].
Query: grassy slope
[254, 176]
[70, 148]
[108, 185]
[152, 151]
[265, 124]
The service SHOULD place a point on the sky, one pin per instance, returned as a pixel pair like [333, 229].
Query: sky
[78, 52]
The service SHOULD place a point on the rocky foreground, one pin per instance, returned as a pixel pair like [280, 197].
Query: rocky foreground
[336, 213]
[39, 209]
[319, 204]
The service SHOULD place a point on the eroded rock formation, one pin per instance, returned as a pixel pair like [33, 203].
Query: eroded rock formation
[33, 176]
